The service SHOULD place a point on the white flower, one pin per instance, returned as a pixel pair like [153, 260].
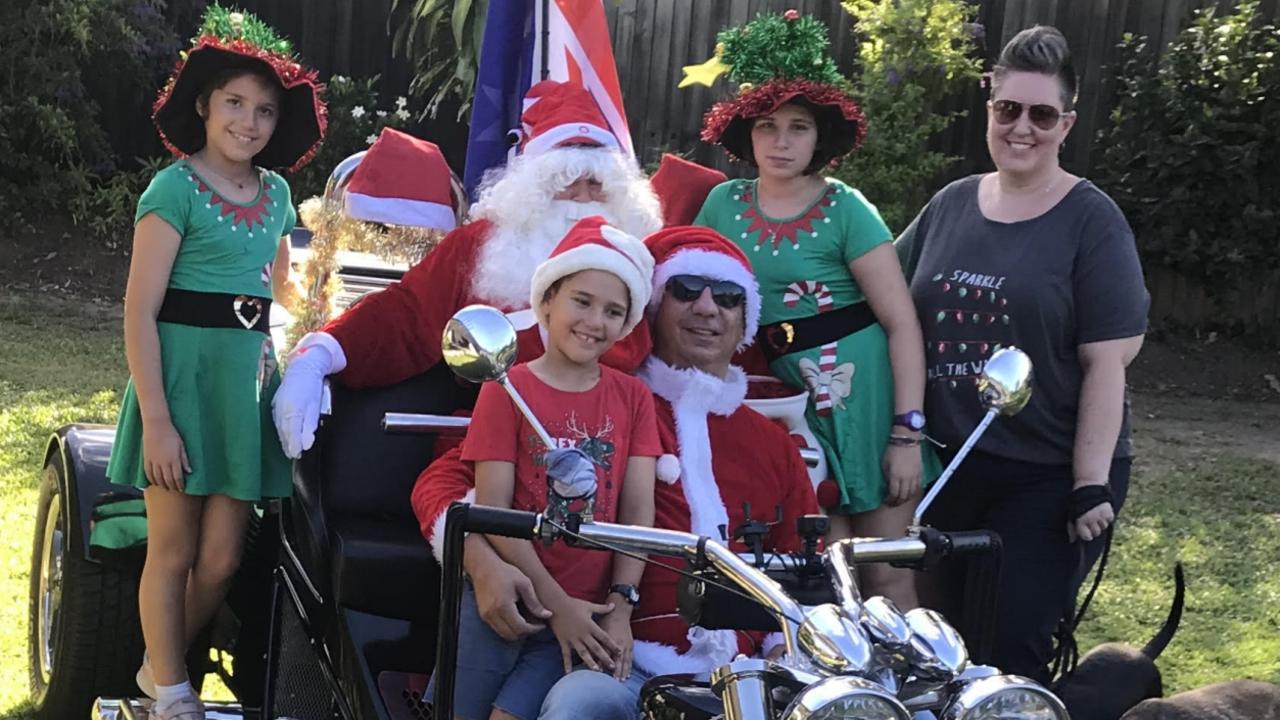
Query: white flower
[357, 112]
[337, 79]
[401, 102]
[382, 113]
[370, 140]
[402, 114]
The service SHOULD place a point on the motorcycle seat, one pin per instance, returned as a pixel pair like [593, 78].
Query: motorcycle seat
[384, 567]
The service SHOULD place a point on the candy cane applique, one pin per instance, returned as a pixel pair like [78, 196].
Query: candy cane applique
[829, 384]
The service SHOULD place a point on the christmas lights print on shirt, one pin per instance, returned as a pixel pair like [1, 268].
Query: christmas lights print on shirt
[249, 217]
[970, 325]
[775, 231]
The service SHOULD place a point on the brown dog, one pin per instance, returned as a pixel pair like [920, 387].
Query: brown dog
[1233, 700]
[1114, 677]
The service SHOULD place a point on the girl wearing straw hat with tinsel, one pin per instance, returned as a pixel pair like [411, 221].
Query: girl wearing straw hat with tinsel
[837, 319]
[210, 251]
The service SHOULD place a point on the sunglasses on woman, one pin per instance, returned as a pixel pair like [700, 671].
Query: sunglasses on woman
[1007, 112]
[687, 288]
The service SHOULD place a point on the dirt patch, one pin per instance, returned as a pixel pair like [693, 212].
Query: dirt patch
[59, 259]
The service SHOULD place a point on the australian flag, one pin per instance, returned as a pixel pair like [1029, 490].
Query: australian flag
[511, 59]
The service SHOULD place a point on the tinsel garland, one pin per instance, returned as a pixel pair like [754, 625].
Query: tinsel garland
[227, 24]
[772, 47]
[332, 232]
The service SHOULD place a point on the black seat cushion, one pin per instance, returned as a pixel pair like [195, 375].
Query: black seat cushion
[351, 524]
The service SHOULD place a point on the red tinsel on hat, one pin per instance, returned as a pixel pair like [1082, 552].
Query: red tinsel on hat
[721, 125]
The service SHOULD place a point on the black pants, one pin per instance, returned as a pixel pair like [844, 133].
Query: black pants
[1026, 503]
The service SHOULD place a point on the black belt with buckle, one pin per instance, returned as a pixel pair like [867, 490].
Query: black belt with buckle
[789, 336]
[216, 310]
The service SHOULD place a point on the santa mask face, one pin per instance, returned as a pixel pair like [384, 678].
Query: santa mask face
[586, 312]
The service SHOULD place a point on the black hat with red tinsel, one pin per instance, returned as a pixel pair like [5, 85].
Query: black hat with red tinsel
[773, 60]
[231, 40]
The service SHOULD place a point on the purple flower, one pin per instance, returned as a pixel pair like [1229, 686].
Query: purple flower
[892, 77]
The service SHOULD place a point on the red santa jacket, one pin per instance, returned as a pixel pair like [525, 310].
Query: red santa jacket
[738, 457]
[395, 334]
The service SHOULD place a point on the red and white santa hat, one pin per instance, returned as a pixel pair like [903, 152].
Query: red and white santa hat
[402, 180]
[593, 244]
[562, 113]
[701, 251]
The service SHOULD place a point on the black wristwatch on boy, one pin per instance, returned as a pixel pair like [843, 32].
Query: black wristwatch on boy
[912, 420]
[628, 593]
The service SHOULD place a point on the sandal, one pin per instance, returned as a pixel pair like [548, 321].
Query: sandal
[187, 708]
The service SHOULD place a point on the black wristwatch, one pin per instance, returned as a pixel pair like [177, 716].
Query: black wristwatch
[912, 420]
[628, 593]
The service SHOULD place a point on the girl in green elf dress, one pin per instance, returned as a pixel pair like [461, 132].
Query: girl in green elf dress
[210, 251]
[837, 319]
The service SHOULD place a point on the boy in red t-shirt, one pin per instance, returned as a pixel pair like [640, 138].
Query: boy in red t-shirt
[588, 294]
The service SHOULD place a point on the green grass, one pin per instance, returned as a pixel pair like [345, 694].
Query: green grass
[64, 362]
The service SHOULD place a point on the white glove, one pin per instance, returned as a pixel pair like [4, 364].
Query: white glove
[298, 401]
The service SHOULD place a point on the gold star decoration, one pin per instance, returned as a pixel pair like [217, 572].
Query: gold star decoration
[704, 74]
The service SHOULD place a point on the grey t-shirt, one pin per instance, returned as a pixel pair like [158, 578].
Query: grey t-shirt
[1046, 285]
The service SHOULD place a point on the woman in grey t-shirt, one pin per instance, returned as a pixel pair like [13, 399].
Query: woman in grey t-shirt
[1035, 257]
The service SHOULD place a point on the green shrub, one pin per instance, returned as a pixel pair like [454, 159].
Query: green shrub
[354, 123]
[1190, 154]
[52, 148]
[912, 54]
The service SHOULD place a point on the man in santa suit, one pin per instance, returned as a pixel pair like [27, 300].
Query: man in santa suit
[720, 457]
[570, 166]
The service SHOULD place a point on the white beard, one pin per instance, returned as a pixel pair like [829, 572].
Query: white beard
[504, 268]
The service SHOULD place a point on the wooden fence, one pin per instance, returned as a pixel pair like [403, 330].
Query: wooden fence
[652, 39]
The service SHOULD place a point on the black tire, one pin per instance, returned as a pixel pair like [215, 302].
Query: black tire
[92, 643]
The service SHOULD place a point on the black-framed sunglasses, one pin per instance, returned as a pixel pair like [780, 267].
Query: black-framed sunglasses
[687, 288]
[1007, 112]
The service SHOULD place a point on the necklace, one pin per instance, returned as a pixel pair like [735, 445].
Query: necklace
[239, 184]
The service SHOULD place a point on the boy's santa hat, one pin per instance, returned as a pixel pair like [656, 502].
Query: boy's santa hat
[592, 244]
[683, 186]
[701, 251]
[403, 180]
[557, 114]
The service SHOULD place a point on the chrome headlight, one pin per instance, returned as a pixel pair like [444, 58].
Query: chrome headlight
[838, 698]
[1005, 697]
[835, 641]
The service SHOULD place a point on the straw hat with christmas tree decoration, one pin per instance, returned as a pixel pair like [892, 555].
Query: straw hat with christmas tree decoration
[774, 60]
[232, 40]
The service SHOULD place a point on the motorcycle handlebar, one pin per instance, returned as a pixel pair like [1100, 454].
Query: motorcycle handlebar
[501, 521]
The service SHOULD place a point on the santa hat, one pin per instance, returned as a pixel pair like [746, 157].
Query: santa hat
[402, 180]
[701, 251]
[561, 113]
[591, 244]
[682, 187]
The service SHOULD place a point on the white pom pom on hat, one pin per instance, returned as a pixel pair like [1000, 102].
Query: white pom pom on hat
[669, 469]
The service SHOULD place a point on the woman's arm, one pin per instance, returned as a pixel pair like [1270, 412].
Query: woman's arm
[283, 290]
[1100, 414]
[878, 273]
[155, 245]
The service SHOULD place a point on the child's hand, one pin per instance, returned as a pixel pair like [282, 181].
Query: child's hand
[164, 457]
[575, 627]
[618, 625]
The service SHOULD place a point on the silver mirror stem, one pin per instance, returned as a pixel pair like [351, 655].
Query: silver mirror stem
[524, 410]
[951, 467]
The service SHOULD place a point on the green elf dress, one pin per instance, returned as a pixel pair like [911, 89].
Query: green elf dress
[218, 364]
[802, 262]
[218, 381]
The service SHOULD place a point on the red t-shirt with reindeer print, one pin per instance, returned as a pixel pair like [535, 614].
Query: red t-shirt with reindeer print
[611, 422]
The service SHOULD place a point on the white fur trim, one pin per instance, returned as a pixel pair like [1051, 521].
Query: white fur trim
[436, 540]
[337, 358]
[400, 211]
[629, 259]
[714, 265]
[693, 395]
[552, 137]
[709, 649]
[668, 469]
